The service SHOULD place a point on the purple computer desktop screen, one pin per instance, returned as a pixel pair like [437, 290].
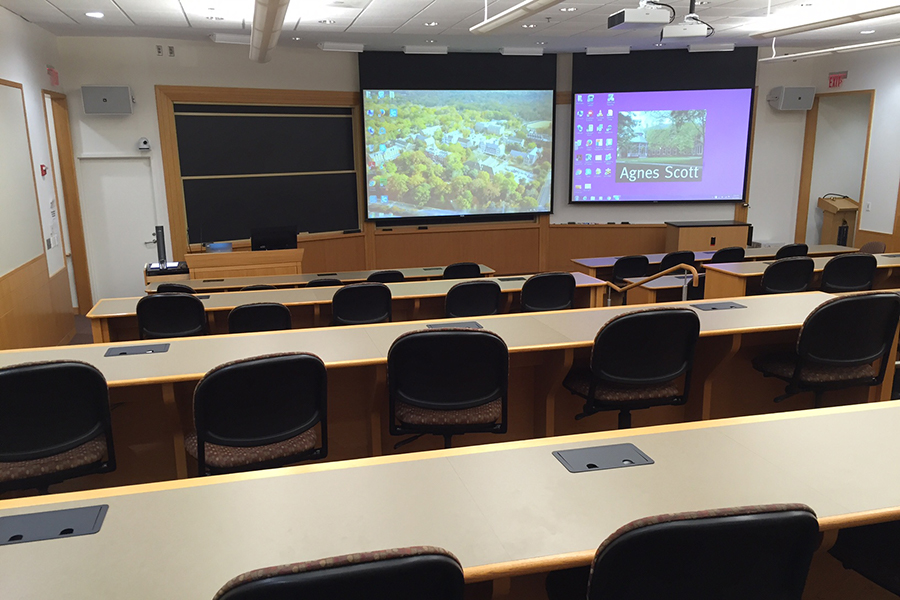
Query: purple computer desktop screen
[676, 146]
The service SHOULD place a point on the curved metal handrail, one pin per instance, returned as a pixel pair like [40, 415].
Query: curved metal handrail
[695, 278]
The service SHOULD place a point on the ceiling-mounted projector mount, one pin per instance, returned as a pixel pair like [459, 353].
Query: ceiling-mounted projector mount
[651, 13]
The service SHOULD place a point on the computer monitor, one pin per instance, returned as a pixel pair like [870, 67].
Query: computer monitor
[273, 238]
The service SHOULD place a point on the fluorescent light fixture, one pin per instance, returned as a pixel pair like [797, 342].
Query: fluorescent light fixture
[341, 47]
[522, 51]
[425, 49]
[608, 50]
[832, 22]
[268, 19]
[231, 38]
[514, 14]
[835, 50]
[94, 15]
[710, 47]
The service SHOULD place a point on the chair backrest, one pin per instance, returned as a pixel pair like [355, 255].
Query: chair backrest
[676, 258]
[462, 270]
[788, 275]
[636, 265]
[850, 331]
[728, 255]
[50, 407]
[259, 316]
[448, 369]
[473, 299]
[548, 291]
[261, 400]
[170, 315]
[749, 552]
[391, 276]
[873, 247]
[849, 273]
[361, 303]
[175, 287]
[324, 282]
[792, 250]
[413, 573]
[645, 347]
[257, 287]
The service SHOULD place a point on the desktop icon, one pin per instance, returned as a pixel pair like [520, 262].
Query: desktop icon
[371, 183]
[370, 112]
[381, 113]
[609, 113]
[609, 141]
[609, 156]
[587, 158]
[373, 199]
[577, 198]
[381, 94]
[610, 97]
[587, 186]
[368, 93]
[578, 157]
[371, 147]
[590, 113]
[587, 172]
[617, 197]
[384, 199]
[590, 128]
[589, 143]
[579, 128]
[608, 172]
[578, 171]
[593, 197]
[371, 130]
[609, 129]
[381, 131]
[609, 197]
[393, 112]
[578, 98]
[580, 113]
[578, 143]
[590, 97]
[599, 142]
[391, 94]
[577, 186]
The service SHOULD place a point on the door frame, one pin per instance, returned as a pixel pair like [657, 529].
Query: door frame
[806, 168]
[73, 236]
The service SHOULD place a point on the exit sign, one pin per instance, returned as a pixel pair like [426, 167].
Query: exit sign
[836, 80]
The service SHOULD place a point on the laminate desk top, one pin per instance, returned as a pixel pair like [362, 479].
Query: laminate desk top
[236, 283]
[708, 223]
[121, 307]
[755, 269]
[750, 253]
[190, 358]
[504, 509]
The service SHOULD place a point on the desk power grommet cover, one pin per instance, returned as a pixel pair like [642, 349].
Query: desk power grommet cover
[602, 458]
[52, 525]
[133, 350]
[718, 306]
[432, 268]
[212, 280]
[458, 325]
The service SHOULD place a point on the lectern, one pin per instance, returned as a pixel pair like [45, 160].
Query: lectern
[838, 212]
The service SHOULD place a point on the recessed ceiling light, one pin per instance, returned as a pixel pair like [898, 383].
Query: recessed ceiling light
[540, 43]
[429, 41]
[867, 31]
[568, 9]
[431, 24]
[296, 39]
[702, 2]
[529, 26]
[94, 15]
[659, 45]
[327, 21]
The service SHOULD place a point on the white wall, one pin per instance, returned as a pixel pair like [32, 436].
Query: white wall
[841, 131]
[25, 53]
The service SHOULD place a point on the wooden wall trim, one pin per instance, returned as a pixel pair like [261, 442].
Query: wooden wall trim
[809, 151]
[37, 308]
[228, 95]
[563, 97]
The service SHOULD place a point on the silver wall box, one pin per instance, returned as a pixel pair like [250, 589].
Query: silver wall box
[791, 98]
[106, 100]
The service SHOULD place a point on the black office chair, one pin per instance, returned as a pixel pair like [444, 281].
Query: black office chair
[54, 424]
[849, 273]
[676, 258]
[415, 573]
[548, 291]
[260, 412]
[259, 316]
[636, 265]
[391, 276]
[791, 250]
[728, 255]
[788, 275]
[324, 282]
[873, 551]
[473, 299]
[256, 287]
[447, 382]
[745, 553]
[873, 247]
[179, 288]
[838, 344]
[361, 303]
[170, 315]
[462, 270]
[636, 361]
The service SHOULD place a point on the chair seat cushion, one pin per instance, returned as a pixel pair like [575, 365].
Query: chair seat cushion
[223, 457]
[477, 415]
[782, 365]
[578, 381]
[80, 456]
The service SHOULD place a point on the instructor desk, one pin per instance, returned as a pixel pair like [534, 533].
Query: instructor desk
[505, 509]
[543, 347]
[115, 319]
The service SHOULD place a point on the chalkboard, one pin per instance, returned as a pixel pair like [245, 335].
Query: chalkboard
[246, 167]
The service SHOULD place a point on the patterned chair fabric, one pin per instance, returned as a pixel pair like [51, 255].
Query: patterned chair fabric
[479, 415]
[229, 457]
[89, 453]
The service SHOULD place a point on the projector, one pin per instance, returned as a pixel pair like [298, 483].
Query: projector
[632, 18]
[685, 30]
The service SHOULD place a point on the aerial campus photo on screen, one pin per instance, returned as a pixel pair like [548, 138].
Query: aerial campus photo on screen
[451, 152]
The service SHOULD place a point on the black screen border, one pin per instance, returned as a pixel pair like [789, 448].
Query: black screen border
[664, 71]
[457, 71]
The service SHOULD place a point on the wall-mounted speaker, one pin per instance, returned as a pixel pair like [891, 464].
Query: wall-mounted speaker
[106, 100]
[791, 98]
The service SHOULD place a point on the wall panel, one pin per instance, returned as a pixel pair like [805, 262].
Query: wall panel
[35, 309]
[587, 241]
